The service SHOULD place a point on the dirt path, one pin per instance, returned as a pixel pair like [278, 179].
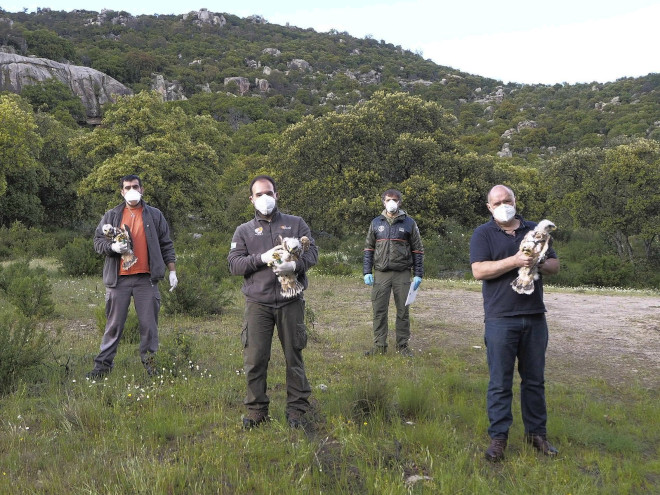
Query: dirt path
[614, 338]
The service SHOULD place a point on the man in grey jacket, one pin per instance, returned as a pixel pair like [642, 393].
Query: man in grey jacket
[151, 244]
[254, 248]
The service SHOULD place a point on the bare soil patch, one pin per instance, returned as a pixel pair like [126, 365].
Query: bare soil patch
[615, 338]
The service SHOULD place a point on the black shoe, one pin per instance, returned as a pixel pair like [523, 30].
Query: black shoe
[405, 351]
[495, 451]
[540, 443]
[376, 350]
[97, 374]
[254, 418]
[295, 419]
[150, 366]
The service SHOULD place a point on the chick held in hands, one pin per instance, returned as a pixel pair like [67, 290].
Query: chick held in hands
[535, 244]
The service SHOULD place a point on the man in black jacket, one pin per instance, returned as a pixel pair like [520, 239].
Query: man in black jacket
[393, 247]
[254, 248]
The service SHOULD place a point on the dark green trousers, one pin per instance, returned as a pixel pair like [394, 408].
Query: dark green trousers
[384, 284]
[257, 337]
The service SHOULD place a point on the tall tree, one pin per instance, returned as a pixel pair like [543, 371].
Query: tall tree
[333, 168]
[179, 157]
[19, 151]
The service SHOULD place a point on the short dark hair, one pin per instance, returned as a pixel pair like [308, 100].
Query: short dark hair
[392, 192]
[263, 177]
[129, 178]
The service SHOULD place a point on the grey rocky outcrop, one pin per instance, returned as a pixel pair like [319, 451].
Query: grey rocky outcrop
[243, 83]
[94, 88]
[169, 90]
[203, 16]
[271, 51]
[262, 85]
[299, 64]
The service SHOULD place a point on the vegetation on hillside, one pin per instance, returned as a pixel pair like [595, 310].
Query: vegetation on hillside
[341, 119]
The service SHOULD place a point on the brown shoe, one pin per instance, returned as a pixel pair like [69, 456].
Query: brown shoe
[254, 418]
[540, 443]
[495, 451]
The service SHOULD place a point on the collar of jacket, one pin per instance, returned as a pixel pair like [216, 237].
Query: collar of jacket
[258, 216]
[399, 216]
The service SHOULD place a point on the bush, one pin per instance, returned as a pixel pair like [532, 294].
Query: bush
[23, 348]
[447, 255]
[333, 264]
[175, 355]
[29, 289]
[607, 271]
[79, 259]
[204, 285]
[19, 241]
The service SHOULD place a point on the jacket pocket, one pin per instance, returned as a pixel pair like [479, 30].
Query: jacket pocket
[300, 338]
[244, 334]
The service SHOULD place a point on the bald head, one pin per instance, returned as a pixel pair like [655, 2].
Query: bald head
[499, 190]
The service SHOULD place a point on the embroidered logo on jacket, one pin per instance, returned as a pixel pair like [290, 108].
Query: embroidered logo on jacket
[381, 228]
[285, 227]
[259, 231]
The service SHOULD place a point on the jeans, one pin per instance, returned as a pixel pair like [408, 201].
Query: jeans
[524, 337]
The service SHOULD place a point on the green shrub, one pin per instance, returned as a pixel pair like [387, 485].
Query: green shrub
[29, 289]
[131, 333]
[205, 287]
[79, 259]
[23, 348]
[607, 271]
[19, 241]
[175, 354]
[333, 264]
[447, 255]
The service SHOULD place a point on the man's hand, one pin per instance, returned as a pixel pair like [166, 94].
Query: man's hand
[416, 282]
[369, 279]
[284, 267]
[173, 281]
[267, 257]
[522, 259]
[120, 247]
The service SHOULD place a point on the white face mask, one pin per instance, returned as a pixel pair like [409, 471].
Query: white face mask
[132, 196]
[391, 206]
[504, 213]
[265, 204]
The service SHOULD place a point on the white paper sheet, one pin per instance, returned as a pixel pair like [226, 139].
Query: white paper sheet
[412, 295]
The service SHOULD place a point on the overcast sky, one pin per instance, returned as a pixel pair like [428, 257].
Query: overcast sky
[523, 41]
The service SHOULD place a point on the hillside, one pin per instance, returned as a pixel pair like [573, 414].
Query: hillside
[286, 72]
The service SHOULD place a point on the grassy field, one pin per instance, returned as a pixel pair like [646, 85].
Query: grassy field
[384, 425]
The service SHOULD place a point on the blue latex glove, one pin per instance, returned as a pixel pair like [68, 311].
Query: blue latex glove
[416, 282]
[369, 279]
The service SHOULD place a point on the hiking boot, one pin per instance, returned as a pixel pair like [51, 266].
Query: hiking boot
[254, 418]
[540, 443]
[405, 351]
[495, 451]
[376, 350]
[295, 419]
[97, 374]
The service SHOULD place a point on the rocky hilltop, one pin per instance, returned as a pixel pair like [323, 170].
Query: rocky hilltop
[94, 88]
